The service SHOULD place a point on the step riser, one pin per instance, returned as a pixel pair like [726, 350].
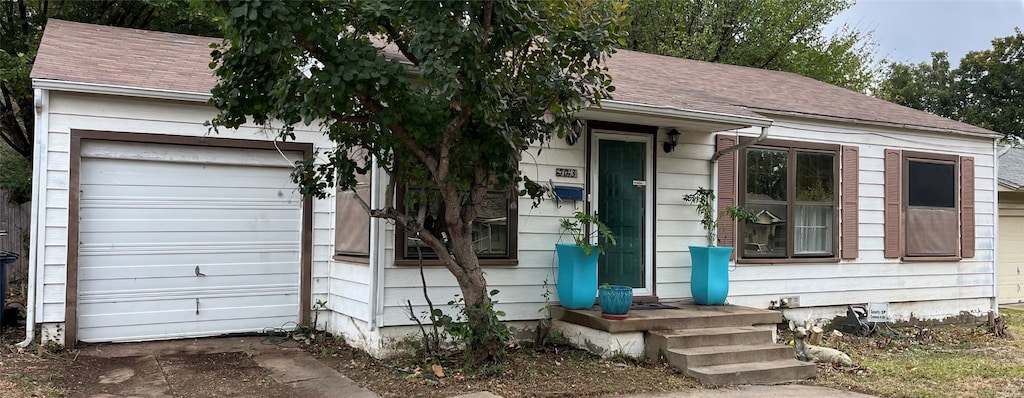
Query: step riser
[658, 342]
[685, 361]
[766, 376]
[714, 340]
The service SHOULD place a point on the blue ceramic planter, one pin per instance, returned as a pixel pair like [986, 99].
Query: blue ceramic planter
[615, 299]
[709, 275]
[577, 276]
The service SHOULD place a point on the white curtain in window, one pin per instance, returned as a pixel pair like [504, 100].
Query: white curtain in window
[814, 231]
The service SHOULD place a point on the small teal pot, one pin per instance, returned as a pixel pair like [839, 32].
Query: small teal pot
[577, 276]
[615, 300]
[709, 274]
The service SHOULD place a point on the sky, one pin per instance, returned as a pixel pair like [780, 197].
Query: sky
[910, 30]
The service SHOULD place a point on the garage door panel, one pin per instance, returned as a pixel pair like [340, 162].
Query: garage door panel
[128, 284]
[130, 194]
[161, 329]
[1011, 259]
[203, 213]
[226, 237]
[117, 172]
[171, 257]
[146, 224]
[100, 268]
[185, 314]
[189, 225]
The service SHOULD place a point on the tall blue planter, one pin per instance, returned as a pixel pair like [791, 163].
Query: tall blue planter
[577, 276]
[709, 275]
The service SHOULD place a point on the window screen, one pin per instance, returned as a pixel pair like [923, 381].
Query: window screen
[931, 184]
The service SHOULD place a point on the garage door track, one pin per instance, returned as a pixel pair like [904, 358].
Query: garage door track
[213, 367]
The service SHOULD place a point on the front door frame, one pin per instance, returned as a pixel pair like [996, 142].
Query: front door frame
[649, 172]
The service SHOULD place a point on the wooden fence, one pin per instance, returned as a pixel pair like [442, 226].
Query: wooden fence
[14, 232]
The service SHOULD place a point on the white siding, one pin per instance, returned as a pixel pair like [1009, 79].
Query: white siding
[928, 289]
[69, 111]
[871, 277]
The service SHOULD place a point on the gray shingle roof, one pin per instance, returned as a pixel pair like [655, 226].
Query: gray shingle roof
[1011, 167]
[77, 52]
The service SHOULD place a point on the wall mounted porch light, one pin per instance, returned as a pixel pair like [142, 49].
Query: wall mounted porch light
[673, 140]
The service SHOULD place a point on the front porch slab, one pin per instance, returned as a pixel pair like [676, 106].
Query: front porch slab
[669, 316]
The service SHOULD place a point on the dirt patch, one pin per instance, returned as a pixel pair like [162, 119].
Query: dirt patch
[528, 372]
[231, 374]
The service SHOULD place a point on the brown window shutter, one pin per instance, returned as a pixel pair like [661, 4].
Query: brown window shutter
[850, 202]
[726, 192]
[893, 189]
[967, 237]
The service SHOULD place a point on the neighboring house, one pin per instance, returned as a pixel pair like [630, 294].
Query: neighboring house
[1011, 225]
[151, 228]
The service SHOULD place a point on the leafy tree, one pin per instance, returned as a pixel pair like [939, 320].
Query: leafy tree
[21, 27]
[928, 86]
[445, 94]
[986, 90]
[780, 35]
[992, 86]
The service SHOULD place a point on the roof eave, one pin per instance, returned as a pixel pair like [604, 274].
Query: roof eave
[876, 123]
[111, 89]
[674, 112]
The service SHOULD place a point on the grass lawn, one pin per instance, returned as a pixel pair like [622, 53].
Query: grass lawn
[941, 361]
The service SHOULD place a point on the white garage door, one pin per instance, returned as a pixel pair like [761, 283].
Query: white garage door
[179, 241]
[1011, 258]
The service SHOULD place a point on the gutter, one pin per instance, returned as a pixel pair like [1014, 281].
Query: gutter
[127, 91]
[42, 126]
[734, 148]
[673, 112]
[876, 123]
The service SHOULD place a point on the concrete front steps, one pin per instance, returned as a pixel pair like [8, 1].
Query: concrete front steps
[728, 355]
[717, 345]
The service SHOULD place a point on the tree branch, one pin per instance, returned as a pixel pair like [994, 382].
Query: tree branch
[396, 37]
[373, 106]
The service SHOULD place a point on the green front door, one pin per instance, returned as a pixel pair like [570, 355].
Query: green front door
[621, 204]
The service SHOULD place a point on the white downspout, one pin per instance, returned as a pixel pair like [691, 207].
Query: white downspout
[720, 153]
[995, 227]
[39, 155]
[375, 262]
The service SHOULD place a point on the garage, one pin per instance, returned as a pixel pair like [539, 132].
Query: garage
[1011, 251]
[183, 240]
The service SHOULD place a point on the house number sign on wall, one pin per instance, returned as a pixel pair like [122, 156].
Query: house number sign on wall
[562, 172]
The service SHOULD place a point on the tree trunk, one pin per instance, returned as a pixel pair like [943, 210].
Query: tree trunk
[485, 343]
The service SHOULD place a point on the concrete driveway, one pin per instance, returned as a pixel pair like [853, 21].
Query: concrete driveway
[231, 366]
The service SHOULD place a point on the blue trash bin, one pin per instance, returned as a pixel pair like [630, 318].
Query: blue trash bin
[6, 258]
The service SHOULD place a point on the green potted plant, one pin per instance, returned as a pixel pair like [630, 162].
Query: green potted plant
[577, 261]
[709, 272]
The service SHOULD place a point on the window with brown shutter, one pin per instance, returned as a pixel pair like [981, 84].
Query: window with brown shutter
[726, 192]
[352, 221]
[929, 206]
[793, 188]
[850, 217]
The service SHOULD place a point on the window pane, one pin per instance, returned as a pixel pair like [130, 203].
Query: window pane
[490, 228]
[931, 184]
[932, 232]
[767, 236]
[813, 225]
[766, 175]
[815, 177]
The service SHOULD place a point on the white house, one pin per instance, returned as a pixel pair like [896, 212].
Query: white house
[148, 226]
